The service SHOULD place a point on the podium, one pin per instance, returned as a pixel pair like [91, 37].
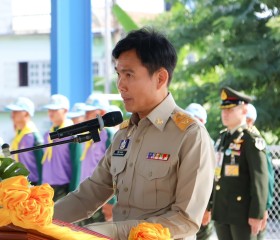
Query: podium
[12, 232]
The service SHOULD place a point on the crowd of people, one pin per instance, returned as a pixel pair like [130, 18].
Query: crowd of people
[161, 165]
[62, 166]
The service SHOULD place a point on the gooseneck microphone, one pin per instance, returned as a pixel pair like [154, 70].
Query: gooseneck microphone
[108, 120]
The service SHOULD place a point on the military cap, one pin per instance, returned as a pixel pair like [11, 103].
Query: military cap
[231, 98]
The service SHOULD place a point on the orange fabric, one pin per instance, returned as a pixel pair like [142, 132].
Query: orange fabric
[31, 207]
[149, 231]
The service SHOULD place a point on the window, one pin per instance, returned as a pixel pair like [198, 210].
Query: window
[34, 73]
[95, 69]
[23, 74]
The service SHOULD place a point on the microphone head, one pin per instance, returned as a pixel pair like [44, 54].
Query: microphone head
[112, 119]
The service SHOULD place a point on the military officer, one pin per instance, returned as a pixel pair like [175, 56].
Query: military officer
[161, 161]
[241, 175]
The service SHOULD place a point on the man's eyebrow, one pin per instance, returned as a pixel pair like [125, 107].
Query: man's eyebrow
[124, 70]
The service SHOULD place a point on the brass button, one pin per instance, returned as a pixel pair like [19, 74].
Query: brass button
[218, 187]
[125, 189]
[239, 198]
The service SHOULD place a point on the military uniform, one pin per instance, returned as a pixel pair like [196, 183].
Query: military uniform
[241, 177]
[158, 167]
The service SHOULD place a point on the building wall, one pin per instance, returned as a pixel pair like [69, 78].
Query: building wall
[22, 48]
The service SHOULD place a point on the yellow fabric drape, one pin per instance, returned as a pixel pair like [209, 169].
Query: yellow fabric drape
[87, 146]
[48, 151]
[31, 207]
[29, 128]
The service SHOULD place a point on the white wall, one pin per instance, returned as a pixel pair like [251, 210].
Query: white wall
[22, 48]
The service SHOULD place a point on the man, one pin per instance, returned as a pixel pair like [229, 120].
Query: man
[95, 105]
[241, 175]
[161, 161]
[61, 164]
[206, 229]
[251, 117]
[77, 113]
[197, 111]
[93, 152]
[27, 135]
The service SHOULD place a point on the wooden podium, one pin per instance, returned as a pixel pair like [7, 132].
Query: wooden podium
[12, 232]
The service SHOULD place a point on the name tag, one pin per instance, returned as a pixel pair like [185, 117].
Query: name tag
[232, 170]
[119, 153]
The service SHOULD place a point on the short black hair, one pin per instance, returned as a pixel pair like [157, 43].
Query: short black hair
[152, 48]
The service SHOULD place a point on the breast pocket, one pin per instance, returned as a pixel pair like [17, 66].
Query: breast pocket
[153, 184]
[118, 165]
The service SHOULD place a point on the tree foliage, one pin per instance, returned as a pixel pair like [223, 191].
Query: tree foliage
[234, 43]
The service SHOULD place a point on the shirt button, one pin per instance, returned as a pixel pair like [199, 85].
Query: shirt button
[125, 189]
[131, 164]
[239, 198]
[123, 212]
[218, 187]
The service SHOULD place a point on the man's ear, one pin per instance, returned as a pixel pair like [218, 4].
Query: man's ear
[245, 109]
[162, 78]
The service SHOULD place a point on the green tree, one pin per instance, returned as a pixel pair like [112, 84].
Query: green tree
[235, 43]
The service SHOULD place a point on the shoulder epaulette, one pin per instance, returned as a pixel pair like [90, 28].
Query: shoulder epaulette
[254, 130]
[222, 131]
[124, 124]
[182, 120]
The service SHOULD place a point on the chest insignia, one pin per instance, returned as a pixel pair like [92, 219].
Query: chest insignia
[158, 156]
[124, 144]
[260, 143]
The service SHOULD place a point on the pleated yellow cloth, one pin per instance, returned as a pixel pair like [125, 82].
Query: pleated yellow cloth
[31, 207]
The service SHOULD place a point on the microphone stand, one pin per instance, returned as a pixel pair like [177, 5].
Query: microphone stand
[94, 135]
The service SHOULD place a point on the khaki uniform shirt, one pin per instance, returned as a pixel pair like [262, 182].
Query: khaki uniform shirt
[161, 169]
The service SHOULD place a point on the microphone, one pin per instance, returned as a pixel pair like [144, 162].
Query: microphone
[108, 120]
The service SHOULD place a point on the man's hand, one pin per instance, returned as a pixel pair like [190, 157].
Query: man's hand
[206, 218]
[255, 225]
[107, 210]
[264, 220]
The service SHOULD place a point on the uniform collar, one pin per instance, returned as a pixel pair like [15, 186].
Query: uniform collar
[160, 115]
[236, 128]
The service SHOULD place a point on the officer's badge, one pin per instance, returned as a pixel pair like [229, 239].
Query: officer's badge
[237, 141]
[223, 95]
[159, 121]
[260, 143]
[124, 144]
